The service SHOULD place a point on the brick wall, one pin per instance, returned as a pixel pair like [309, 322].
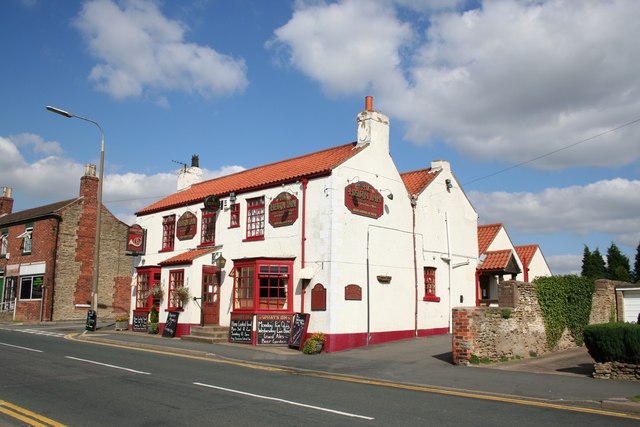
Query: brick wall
[495, 333]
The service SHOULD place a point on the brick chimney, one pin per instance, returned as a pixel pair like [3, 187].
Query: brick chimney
[89, 183]
[373, 127]
[6, 201]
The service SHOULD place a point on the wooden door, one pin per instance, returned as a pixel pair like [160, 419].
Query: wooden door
[210, 295]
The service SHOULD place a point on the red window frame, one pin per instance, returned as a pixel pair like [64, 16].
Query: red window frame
[176, 281]
[208, 227]
[263, 286]
[430, 285]
[147, 278]
[234, 216]
[255, 218]
[168, 232]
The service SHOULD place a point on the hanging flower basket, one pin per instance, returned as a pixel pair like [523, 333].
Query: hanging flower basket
[156, 291]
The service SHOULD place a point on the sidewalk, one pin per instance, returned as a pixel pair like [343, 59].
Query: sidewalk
[563, 377]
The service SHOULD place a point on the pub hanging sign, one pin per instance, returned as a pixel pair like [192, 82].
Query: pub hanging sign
[186, 226]
[283, 210]
[136, 240]
[362, 199]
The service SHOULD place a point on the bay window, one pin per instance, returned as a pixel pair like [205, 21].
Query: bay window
[263, 285]
[148, 277]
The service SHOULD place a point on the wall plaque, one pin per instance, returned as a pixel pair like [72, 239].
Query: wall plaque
[362, 199]
[187, 226]
[353, 293]
[318, 298]
[283, 210]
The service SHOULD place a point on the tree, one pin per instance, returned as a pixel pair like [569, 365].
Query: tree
[636, 267]
[617, 264]
[592, 264]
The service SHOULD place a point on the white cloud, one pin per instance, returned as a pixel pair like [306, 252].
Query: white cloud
[511, 79]
[608, 206]
[36, 143]
[565, 264]
[142, 50]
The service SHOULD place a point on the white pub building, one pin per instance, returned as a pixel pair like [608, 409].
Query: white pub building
[366, 253]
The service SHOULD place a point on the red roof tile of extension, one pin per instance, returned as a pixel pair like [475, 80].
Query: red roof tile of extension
[496, 260]
[417, 181]
[526, 253]
[310, 165]
[186, 257]
[486, 234]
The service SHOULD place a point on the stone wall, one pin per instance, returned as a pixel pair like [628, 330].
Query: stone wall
[617, 371]
[516, 329]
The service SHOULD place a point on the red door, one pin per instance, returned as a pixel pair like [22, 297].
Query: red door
[210, 295]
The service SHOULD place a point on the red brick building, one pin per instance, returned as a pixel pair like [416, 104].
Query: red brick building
[46, 258]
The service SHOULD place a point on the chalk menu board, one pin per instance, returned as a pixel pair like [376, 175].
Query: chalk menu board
[241, 328]
[139, 321]
[171, 325]
[273, 328]
[92, 318]
[299, 325]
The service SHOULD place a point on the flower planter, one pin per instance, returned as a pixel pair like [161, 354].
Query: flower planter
[122, 325]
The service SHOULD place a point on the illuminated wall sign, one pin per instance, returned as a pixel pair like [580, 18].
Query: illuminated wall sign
[283, 210]
[135, 240]
[362, 199]
[186, 226]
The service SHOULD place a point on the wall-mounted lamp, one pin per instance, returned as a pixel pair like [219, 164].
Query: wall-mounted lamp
[218, 260]
[354, 179]
[390, 195]
[232, 197]
[449, 184]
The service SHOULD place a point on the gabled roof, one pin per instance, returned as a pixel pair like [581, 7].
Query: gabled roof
[417, 181]
[526, 253]
[186, 257]
[486, 234]
[307, 166]
[502, 260]
[34, 213]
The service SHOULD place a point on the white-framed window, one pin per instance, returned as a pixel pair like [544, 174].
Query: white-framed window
[4, 242]
[27, 239]
[31, 287]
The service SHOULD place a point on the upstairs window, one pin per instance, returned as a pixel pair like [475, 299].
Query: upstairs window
[208, 232]
[430, 285]
[4, 243]
[26, 237]
[255, 218]
[168, 232]
[234, 219]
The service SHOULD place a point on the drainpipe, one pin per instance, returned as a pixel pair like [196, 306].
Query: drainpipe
[415, 265]
[368, 294]
[303, 239]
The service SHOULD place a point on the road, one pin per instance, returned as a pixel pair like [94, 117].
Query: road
[81, 384]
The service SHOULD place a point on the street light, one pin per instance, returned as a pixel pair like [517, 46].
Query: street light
[96, 246]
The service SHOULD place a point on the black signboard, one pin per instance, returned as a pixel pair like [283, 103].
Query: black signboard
[299, 325]
[171, 325]
[241, 328]
[273, 328]
[92, 319]
[139, 321]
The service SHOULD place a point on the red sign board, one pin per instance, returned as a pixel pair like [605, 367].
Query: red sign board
[362, 199]
[283, 210]
[135, 240]
[187, 226]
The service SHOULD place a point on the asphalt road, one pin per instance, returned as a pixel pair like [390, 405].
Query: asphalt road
[80, 384]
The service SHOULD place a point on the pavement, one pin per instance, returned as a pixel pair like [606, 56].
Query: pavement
[562, 378]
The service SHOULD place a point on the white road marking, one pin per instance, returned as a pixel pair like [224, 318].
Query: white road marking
[108, 366]
[289, 402]
[22, 348]
[36, 332]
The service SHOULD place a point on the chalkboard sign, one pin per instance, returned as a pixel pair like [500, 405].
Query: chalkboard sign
[273, 328]
[139, 321]
[299, 325]
[241, 328]
[171, 325]
[92, 319]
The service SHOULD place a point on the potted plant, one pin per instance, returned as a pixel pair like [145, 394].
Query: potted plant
[314, 344]
[122, 322]
[153, 320]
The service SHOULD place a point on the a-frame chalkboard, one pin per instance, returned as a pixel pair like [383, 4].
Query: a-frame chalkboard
[299, 325]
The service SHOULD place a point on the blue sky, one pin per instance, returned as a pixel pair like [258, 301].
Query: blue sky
[487, 85]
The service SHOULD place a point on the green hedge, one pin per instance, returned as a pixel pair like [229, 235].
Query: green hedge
[565, 302]
[613, 342]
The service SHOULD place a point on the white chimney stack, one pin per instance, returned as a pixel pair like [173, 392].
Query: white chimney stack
[373, 127]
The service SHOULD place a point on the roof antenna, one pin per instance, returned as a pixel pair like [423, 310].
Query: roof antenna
[184, 165]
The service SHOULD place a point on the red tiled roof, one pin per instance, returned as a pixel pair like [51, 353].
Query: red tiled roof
[186, 257]
[310, 165]
[496, 260]
[526, 253]
[486, 234]
[416, 181]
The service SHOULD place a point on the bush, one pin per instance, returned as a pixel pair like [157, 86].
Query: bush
[613, 342]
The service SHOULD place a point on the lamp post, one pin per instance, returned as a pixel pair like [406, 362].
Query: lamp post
[96, 246]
